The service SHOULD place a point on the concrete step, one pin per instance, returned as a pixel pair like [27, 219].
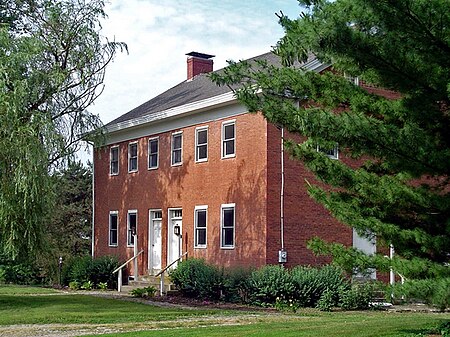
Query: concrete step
[149, 280]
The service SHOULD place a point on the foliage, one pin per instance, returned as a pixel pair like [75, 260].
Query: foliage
[358, 297]
[310, 283]
[103, 286]
[196, 278]
[144, 292]
[236, 284]
[52, 66]
[74, 285]
[85, 269]
[18, 273]
[88, 285]
[326, 301]
[434, 291]
[392, 179]
[269, 283]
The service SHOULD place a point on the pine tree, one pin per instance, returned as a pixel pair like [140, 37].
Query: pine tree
[400, 193]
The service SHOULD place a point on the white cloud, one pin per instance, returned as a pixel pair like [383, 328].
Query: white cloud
[158, 34]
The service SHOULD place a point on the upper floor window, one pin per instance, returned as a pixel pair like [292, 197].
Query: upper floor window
[113, 228]
[133, 157]
[227, 224]
[177, 146]
[114, 160]
[131, 227]
[153, 149]
[201, 144]
[228, 139]
[200, 216]
[332, 152]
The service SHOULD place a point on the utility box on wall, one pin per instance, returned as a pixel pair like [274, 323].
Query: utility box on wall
[282, 256]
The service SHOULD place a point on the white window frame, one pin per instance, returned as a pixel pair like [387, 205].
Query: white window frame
[179, 133]
[196, 210]
[149, 153]
[131, 211]
[335, 154]
[116, 213]
[222, 208]
[223, 140]
[197, 145]
[110, 160]
[129, 156]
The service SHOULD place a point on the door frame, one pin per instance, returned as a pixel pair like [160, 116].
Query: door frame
[150, 238]
[170, 217]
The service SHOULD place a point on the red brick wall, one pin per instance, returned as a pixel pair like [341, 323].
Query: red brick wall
[240, 180]
[303, 217]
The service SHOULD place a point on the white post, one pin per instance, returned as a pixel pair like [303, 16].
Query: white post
[135, 260]
[161, 285]
[119, 280]
[391, 273]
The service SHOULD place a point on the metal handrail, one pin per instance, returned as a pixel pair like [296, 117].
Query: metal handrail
[161, 285]
[119, 269]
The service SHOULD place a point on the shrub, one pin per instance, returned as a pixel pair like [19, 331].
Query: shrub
[74, 285]
[268, 283]
[310, 283]
[103, 286]
[327, 301]
[85, 269]
[195, 278]
[358, 297]
[88, 285]
[143, 292]
[18, 272]
[236, 285]
[433, 291]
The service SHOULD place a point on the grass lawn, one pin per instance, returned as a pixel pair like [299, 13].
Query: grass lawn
[26, 305]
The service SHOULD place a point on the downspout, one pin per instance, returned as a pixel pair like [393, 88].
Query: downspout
[282, 191]
[93, 201]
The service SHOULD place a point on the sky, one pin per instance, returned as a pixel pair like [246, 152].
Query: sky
[160, 32]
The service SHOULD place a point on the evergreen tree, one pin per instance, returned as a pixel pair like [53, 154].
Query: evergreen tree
[400, 193]
[52, 65]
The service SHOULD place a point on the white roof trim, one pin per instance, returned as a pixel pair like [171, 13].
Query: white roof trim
[176, 111]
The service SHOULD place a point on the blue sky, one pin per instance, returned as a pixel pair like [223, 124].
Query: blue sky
[160, 32]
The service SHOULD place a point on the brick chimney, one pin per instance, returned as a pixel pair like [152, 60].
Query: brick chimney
[198, 63]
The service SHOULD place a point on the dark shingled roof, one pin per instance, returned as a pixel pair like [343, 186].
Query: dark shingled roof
[197, 89]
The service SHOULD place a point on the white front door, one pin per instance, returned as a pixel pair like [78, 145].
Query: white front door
[155, 242]
[174, 236]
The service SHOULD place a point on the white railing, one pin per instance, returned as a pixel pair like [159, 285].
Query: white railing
[161, 273]
[119, 269]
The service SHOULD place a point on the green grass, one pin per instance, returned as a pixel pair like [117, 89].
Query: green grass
[6, 289]
[16, 307]
[27, 305]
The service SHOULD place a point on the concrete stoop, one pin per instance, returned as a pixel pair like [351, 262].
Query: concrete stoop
[147, 281]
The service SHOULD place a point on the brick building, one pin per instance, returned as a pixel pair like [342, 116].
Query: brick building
[192, 171]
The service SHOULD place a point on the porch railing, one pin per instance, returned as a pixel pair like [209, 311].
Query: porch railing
[119, 269]
[161, 273]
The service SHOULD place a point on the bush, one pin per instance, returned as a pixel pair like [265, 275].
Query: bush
[269, 283]
[358, 297]
[85, 269]
[18, 272]
[236, 285]
[310, 283]
[195, 278]
[432, 291]
[144, 292]
[327, 301]
[74, 285]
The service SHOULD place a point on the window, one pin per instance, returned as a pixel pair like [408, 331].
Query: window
[131, 227]
[228, 139]
[200, 216]
[114, 160]
[153, 148]
[227, 224]
[133, 157]
[113, 228]
[201, 144]
[177, 144]
[332, 153]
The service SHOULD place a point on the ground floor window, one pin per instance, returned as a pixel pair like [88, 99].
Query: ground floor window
[227, 224]
[200, 219]
[131, 227]
[113, 228]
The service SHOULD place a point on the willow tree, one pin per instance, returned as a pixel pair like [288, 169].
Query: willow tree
[52, 66]
[400, 192]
